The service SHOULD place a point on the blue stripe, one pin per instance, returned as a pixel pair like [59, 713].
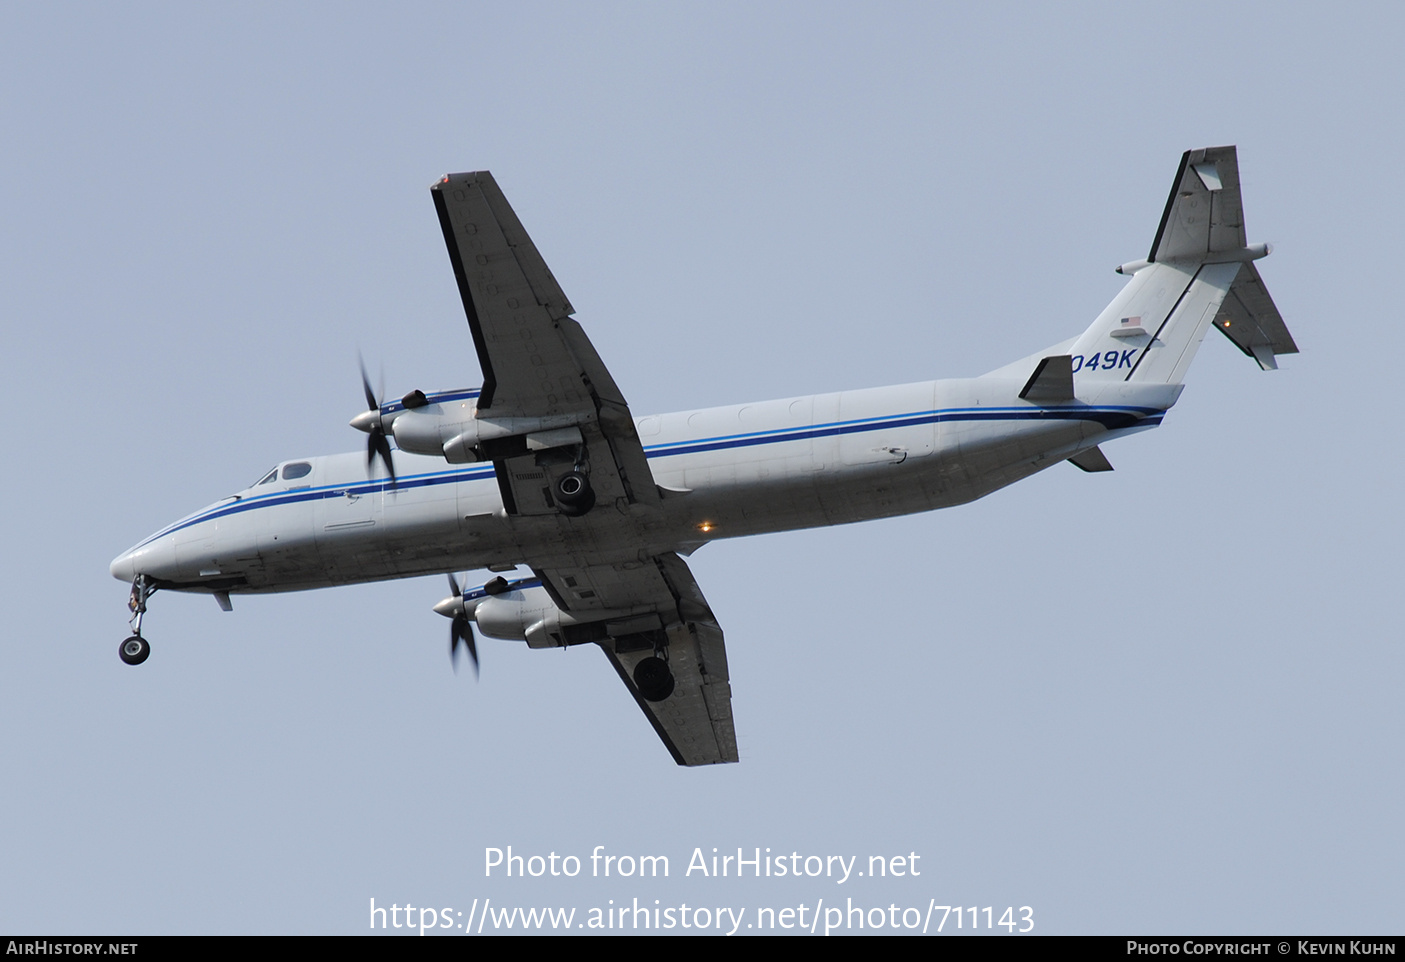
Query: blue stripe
[1112, 418]
[1109, 417]
[322, 492]
[517, 585]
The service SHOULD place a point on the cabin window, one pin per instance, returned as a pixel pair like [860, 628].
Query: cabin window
[298, 469]
[269, 477]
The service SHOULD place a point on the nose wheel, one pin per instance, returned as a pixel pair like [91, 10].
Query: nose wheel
[134, 650]
[137, 649]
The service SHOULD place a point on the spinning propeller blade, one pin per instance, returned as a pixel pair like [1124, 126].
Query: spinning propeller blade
[461, 629]
[377, 444]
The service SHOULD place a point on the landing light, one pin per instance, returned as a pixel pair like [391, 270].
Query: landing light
[705, 527]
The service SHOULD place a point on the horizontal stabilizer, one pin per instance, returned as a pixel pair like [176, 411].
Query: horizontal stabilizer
[1051, 382]
[1204, 214]
[1250, 319]
[1091, 460]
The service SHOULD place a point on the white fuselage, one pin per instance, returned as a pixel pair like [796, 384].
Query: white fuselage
[724, 472]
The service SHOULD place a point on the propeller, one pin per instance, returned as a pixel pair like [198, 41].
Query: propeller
[461, 628]
[377, 444]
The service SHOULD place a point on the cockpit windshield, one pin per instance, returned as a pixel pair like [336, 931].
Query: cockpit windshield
[291, 472]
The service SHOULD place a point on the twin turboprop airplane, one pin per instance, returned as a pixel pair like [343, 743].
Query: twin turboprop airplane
[545, 467]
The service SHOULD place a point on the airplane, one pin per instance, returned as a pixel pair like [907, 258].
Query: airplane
[544, 466]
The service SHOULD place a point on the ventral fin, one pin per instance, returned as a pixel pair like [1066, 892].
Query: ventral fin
[1091, 460]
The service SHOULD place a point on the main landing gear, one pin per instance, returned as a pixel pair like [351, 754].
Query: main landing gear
[654, 678]
[137, 649]
[573, 493]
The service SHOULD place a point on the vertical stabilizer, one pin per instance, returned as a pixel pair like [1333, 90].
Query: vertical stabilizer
[1200, 273]
[1168, 351]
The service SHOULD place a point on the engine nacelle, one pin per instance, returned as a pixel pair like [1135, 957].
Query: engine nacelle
[455, 432]
[529, 614]
[509, 616]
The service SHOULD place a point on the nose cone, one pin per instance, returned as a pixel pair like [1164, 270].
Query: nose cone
[124, 567]
[155, 558]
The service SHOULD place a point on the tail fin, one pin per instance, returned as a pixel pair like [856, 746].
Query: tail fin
[1200, 272]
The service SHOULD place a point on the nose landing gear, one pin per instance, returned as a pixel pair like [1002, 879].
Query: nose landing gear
[136, 649]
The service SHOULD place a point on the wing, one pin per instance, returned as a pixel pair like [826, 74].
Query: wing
[668, 616]
[536, 360]
[538, 363]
